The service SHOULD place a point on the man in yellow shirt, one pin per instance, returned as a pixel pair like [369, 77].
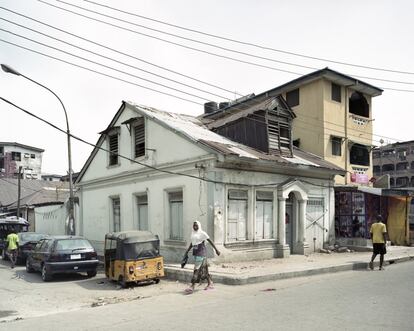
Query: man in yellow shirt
[378, 235]
[12, 246]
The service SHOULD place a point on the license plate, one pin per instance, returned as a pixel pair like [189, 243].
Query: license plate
[75, 256]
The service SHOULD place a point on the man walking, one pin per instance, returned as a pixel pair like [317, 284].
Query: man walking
[12, 246]
[378, 235]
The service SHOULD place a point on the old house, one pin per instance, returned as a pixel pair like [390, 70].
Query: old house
[256, 194]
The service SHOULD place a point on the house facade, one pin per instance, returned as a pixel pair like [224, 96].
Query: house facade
[160, 171]
[14, 155]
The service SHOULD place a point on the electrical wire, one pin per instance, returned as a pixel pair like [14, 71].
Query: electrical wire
[98, 72]
[209, 44]
[112, 59]
[235, 108]
[253, 44]
[104, 65]
[173, 43]
[248, 118]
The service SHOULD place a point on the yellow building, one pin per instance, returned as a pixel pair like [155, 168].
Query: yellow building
[333, 120]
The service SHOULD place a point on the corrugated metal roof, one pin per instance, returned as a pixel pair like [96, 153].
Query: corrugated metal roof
[195, 130]
[33, 192]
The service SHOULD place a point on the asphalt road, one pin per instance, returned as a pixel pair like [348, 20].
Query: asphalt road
[354, 300]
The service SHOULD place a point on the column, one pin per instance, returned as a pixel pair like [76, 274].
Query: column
[301, 246]
[282, 250]
[282, 221]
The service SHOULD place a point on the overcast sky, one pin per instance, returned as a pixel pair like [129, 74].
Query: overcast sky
[368, 33]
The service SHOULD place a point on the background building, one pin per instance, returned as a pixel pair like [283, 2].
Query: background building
[397, 161]
[14, 155]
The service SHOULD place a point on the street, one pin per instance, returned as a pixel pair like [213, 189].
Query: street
[354, 300]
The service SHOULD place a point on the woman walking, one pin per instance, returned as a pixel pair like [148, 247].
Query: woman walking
[198, 239]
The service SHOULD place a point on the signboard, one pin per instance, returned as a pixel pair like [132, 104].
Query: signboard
[359, 178]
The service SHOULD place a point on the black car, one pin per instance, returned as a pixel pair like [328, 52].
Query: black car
[27, 243]
[62, 254]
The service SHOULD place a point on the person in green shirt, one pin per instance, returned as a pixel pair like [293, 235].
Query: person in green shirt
[12, 246]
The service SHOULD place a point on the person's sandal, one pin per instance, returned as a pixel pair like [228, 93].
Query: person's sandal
[189, 290]
[209, 287]
[371, 266]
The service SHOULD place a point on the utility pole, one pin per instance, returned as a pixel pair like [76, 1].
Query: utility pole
[18, 191]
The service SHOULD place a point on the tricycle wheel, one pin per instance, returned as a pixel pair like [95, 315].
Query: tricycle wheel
[122, 282]
[156, 280]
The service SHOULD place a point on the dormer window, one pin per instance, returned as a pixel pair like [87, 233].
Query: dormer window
[113, 149]
[139, 138]
[279, 134]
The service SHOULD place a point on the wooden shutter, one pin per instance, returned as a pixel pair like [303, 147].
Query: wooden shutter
[139, 135]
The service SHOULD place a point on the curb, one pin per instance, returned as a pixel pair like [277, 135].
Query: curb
[185, 275]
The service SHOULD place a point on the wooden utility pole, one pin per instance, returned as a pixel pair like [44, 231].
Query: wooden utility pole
[19, 176]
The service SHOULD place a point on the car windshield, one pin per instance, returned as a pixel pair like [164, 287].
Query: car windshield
[31, 236]
[73, 244]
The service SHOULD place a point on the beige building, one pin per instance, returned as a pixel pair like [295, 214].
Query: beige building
[334, 120]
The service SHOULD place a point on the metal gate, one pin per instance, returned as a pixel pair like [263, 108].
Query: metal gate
[315, 224]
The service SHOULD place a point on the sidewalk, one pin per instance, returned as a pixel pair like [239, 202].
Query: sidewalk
[242, 273]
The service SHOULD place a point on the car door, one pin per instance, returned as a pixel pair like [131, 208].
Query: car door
[41, 253]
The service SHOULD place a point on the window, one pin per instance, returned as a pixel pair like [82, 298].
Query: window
[336, 146]
[377, 170]
[376, 154]
[116, 214]
[175, 200]
[32, 156]
[279, 134]
[139, 138]
[359, 155]
[402, 182]
[358, 105]
[336, 92]
[113, 149]
[142, 208]
[237, 215]
[292, 98]
[16, 156]
[264, 215]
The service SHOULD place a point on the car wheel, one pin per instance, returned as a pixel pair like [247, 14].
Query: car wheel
[45, 274]
[122, 282]
[29, 268]
[91, 273]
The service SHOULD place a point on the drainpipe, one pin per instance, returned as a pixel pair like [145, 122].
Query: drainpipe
[346, 135]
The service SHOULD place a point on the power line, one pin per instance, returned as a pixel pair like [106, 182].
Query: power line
[109, 58]
[253, 44]
[208, 44]
[98, 72]
[173, 43]
[251, 119]
[119, 52]
[105, 66]
[248, 118]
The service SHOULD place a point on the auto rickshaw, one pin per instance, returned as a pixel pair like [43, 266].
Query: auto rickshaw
[133, 256]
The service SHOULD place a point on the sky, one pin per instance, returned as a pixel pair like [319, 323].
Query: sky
[113, 62]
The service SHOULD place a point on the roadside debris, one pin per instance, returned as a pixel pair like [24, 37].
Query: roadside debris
[102, 301]
[335, 249]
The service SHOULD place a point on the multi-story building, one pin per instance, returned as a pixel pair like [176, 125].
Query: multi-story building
[14, 155]
[334, 120]
[397, 161]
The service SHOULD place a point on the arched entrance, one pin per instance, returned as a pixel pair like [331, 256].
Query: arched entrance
[292, 198]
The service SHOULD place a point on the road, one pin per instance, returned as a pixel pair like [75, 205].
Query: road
[354, 300]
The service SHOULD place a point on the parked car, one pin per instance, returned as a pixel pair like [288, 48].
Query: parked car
[62, 254]
[27, 243]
